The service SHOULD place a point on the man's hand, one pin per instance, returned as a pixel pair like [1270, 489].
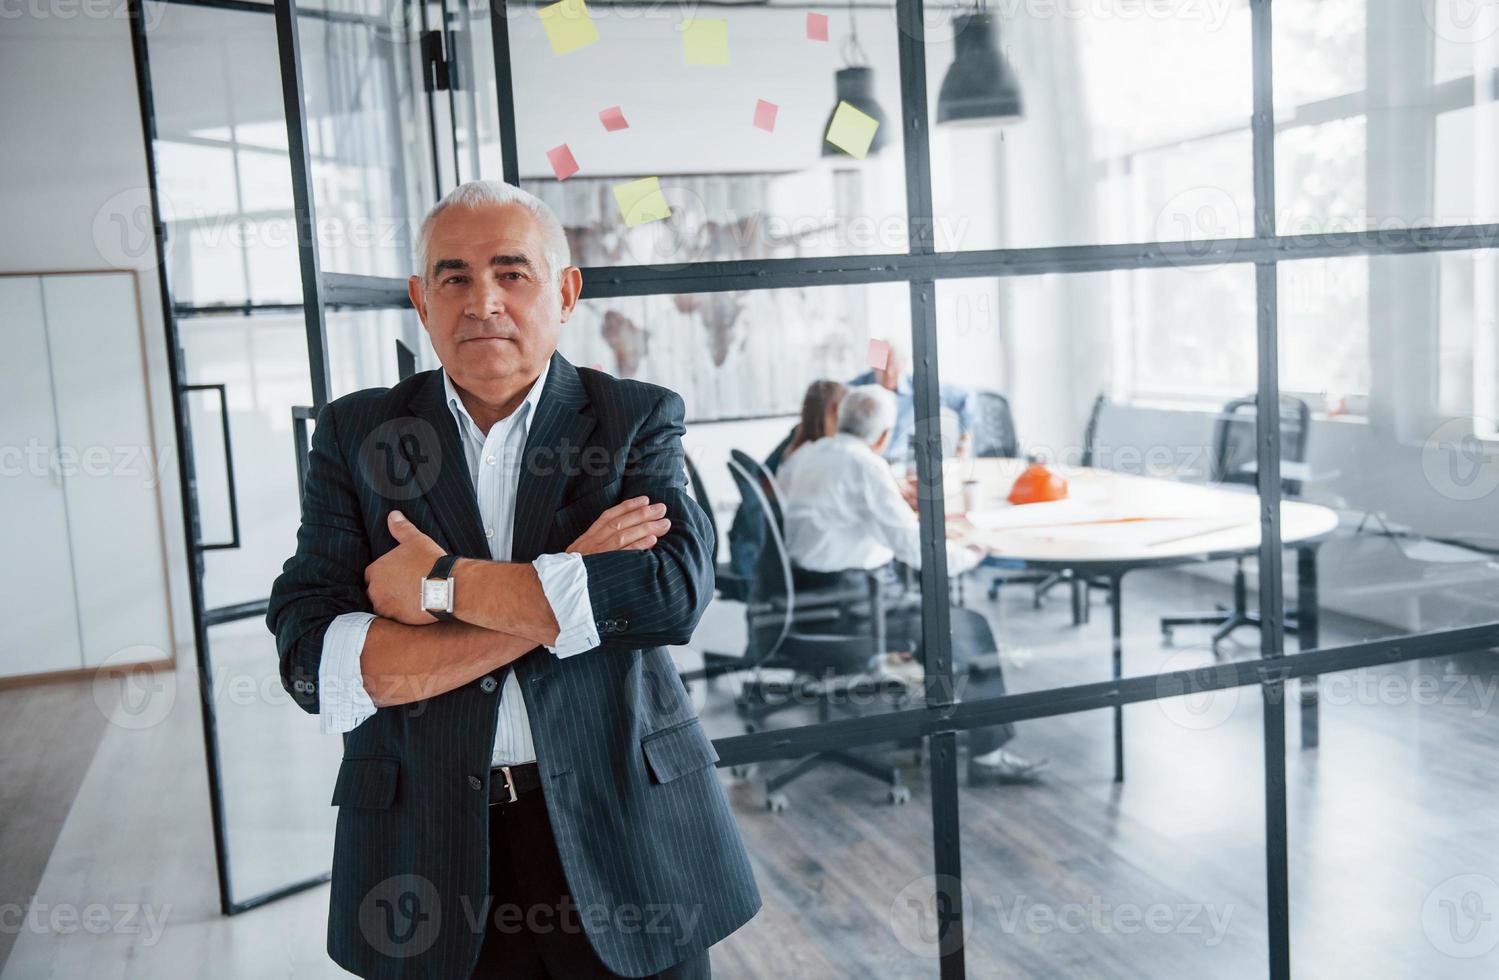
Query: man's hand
[633, 525]
[394, 580]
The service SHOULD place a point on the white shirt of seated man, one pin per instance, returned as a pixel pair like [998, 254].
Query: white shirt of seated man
[842, 506]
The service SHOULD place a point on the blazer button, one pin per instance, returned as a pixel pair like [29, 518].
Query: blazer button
[622, 624]
[476, 782]
[488, 685]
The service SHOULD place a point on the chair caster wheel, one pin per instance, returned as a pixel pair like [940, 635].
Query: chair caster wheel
[899, 795]
[742, 772]
[776, 802]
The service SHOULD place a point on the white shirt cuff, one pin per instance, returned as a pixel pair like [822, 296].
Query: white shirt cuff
[564, 580]
[343, 702]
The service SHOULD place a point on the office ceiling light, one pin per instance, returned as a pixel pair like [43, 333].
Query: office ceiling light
[980, 87]
[855, 85]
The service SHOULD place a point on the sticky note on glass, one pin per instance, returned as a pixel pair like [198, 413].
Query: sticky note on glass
[817, 27]
[879, 354]
[765, 115]
[569, 26]
[641, 201]
[613, 119]
[851, 130]
[561, 159]
[705, 42]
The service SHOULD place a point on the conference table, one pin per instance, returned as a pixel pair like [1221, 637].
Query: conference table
[1113, 523]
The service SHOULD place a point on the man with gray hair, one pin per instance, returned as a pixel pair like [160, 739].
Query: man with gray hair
[845, 518]
[492, 560]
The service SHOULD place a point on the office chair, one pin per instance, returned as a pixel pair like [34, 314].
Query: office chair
[778, 615]
[727, 586]
[1234, 461]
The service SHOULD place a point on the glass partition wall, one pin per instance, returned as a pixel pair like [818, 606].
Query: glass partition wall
[1226, 268]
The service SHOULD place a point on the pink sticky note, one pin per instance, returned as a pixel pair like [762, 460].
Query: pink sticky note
[817, 27]
[765, 115]
[563, 164]
[613, 119]
[879, 354]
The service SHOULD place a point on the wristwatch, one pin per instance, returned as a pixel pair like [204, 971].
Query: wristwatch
[437, 589]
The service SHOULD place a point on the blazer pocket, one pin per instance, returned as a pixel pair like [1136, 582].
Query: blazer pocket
[578, 514]
[676, 751]
[366, 781]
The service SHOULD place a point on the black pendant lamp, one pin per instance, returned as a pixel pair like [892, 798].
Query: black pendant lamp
[855, 85]
[980, 87]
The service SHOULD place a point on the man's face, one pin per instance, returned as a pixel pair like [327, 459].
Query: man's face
[489, 302]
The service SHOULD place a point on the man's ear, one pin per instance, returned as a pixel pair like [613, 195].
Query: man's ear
[418, 297]
[879, 444]
[570, 287]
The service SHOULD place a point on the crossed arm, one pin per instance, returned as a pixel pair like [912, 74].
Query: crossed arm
[407, 656]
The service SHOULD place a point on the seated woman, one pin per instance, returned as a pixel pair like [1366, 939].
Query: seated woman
[819, 418]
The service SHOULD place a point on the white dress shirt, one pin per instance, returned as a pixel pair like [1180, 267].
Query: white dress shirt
[843, 509]
[494, 463]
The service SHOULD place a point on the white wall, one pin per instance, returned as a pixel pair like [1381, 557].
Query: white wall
[74, 195]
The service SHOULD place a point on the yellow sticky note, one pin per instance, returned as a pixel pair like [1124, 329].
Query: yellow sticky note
[706, 42]
[851, 130]
[641, 201]
[569, 26]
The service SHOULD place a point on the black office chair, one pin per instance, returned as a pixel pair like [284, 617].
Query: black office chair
[1234, 460]
[778, 616]
[994, 427]
[727, 585]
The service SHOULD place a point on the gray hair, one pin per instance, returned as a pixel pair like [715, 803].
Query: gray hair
[478, 193]
[866, 411]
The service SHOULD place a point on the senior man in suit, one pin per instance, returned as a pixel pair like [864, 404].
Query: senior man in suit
[492, 559]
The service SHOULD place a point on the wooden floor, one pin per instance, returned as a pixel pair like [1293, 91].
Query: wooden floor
[1392, 834]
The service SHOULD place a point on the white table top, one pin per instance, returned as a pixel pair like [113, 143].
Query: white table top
[1115, 517]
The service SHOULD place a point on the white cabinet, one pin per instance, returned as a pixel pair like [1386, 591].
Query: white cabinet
[84, 580]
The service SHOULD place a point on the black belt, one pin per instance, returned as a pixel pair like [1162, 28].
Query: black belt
[506, 783]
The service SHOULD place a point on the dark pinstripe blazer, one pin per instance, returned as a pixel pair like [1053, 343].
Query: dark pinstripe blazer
[651, 850]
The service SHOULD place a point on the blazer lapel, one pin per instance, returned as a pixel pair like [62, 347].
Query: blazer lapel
[554, 446]
[451, 494]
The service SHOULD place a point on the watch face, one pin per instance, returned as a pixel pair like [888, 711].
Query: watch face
[435, 593]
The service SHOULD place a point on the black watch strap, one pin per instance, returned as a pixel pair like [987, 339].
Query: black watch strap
[443, 568]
